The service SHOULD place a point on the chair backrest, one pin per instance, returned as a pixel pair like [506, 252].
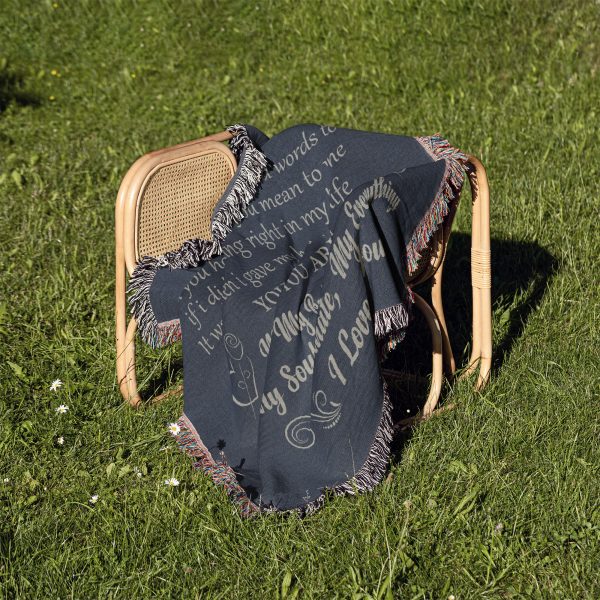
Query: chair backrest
[168, 197]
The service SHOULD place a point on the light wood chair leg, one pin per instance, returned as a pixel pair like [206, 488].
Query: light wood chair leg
[476, 317]
[438, 307]
[134, 397]
[125, 334]
[437, 374]
[482, 272]
[481, 354]
[125, 343]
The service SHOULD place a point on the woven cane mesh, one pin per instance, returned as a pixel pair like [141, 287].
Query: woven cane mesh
[178, 202]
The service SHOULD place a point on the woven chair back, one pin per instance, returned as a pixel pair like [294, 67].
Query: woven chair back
[177, 199]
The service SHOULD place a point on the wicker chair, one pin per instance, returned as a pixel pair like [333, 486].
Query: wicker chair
[168, 196]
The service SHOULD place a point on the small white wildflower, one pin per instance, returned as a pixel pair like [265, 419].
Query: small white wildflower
[6, 480]
[137, 471]
[140, 474]
[57, 383]
[172, 482]
[174, 428]
[62, 409]
[94, 499]
[499, 527]
[60, 441]
[451, 597]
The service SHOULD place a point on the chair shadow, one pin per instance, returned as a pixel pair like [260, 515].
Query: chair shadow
[521, 272]
[163, 384]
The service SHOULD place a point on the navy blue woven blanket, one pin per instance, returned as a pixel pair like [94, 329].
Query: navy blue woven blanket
[286, 313]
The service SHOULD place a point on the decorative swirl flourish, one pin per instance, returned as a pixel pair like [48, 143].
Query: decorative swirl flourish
[299, 431]
[299, 434]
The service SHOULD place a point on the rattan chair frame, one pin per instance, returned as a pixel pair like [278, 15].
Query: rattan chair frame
[127, 235]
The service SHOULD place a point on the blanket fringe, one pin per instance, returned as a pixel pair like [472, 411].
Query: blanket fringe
[391, 318]
[220, 472]
[391, 326]
[169, 332]
[438, 148]
[252, 166]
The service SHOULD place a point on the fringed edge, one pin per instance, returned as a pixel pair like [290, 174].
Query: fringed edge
[138, 292]
[389, 319]
[252, 167]
[251, 170]
[391, 324]
[221, 473]
[438, 148]
[169, 332]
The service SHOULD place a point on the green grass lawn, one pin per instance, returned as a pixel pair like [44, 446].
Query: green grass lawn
[498, 498]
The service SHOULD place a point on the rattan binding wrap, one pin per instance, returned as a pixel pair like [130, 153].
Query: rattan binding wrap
[177, 201]
[481, 268]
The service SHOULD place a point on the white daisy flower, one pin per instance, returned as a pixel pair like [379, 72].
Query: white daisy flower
[174, 428]
[60, 441]
[172, 482]
[57, 383]
[62, 409]
[94, 499]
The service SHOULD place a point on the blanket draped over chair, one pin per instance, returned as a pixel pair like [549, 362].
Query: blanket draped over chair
[286, 313]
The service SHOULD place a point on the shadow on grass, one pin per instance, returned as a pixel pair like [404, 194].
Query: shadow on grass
[12, 90]
[520, 275]
[521, 272]
[166, 383]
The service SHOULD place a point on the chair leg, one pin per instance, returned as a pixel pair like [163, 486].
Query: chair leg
[437, 375]
[126, 376]
[438, 307]
[476, 317]
[125, 334]
[121, 360]
[134, 397]
[481, 355]
[483, 273]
